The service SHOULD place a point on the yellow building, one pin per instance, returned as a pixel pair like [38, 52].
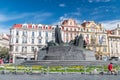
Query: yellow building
[96, 38]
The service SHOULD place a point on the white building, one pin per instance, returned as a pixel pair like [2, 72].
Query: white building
[25, 39]
[114, 42]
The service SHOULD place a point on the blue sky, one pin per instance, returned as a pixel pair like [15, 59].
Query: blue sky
[51, 12]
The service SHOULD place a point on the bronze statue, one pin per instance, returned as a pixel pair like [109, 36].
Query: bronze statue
[58, 38]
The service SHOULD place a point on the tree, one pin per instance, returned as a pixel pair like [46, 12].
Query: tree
[3, 52]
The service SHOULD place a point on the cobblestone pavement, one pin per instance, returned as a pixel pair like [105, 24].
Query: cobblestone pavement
[58, 76]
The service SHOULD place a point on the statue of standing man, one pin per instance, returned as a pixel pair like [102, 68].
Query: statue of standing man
[58, 38]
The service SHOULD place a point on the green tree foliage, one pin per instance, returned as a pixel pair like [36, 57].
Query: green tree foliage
[3, 52]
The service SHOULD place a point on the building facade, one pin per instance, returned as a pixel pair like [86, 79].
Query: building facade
[69, 30]
[94, 34]
[4, 40]
[114, 42]
[27, 39]
[96, 38]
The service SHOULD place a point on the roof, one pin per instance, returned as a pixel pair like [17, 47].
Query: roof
[109, 31]
[30, 26]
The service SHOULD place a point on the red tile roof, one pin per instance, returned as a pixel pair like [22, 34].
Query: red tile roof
[30, 26]
[109, 31]
[17, 26]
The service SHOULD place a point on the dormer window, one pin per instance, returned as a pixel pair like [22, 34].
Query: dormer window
[40, 27]
[24, 26]
[33, 26]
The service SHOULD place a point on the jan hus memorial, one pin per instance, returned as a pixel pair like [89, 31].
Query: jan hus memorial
[58, 50]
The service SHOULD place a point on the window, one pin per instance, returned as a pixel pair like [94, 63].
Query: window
[33, 34]
[24, 40]
[104, 49]
[111, 44]
[24, 33]
[24, 49]
[17, 33]
[32, 41]
[16, 40]
[24, 26]
[67, 35]
[71, 35]
[66, 29]
[40, 27]
[74, 29]
[39, 40]
[16, 49]
[53, 34]
[46, 34]
[11, 48]
[11, 40]
[39, 33]
[116, 45]
[32, 49]
[33, 26]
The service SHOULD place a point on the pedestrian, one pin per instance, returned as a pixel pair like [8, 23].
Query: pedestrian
[111, 69]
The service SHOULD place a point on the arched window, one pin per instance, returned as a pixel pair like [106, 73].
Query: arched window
[33, 26]
[24, 26]
[66, 29]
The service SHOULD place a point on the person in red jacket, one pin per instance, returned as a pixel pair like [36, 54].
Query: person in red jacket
[110, 68]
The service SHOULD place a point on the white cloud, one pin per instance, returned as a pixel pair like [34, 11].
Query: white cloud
[41, 17]
[4, 17]
[110, 24]
[62, 5]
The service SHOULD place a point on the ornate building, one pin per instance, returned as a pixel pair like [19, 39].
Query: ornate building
[69, 30]
[114, 42]
[96, 37]
[26, 39]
